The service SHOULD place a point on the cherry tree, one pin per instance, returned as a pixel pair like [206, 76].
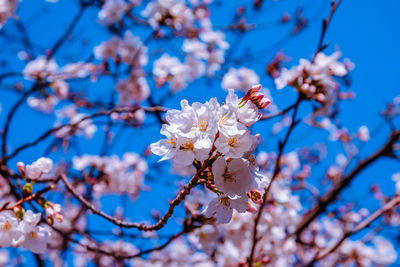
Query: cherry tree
[146, 138]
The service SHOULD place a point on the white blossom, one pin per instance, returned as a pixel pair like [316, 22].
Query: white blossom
[234, 146]
[240, 79]
[222, 206]
[233, 178]
[38, 168]
[7, 10]
[10, 234]
[36, 237]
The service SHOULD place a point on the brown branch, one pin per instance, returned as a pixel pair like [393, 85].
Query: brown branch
[325, 24]
[187, 228]
[277, 169]
[69, 30]
[364, 224]
[10, 117]
[331, 195]
[279, 113]
[34, 196]
[141, 226]
[94, 115]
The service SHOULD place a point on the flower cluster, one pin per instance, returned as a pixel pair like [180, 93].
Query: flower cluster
[128, 49]
[7, 10]
[210, 46]
[35, 170]
[25, 232]
[43, 69]
[170, 69]
[40, 68]
[113, 10]
[241, 78]
[220, 133]
[115, 175]
[172, 13]
[315, 79]
[131, 51]
[134, 88]
[230, 243]
[76, 123]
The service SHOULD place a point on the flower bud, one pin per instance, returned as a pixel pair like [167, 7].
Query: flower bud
[19, 212]
[255, 196]
[263, 103]
[256, 97]
[27, 190]
[363, 134]
[21, 168]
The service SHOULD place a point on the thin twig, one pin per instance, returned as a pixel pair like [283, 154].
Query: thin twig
[325, 24]
[331, 195]
[94, 115]
[277, 168]
[11, 115]
[34, 196]
[141, 226]
[364, 224]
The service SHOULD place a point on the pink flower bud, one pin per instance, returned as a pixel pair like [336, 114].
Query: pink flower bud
[256, 97]
[255, 196]
[264, 103]
[252, 90]
[21, 168]
[363, 133]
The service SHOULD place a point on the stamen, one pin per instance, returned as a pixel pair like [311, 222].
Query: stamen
[6, 226]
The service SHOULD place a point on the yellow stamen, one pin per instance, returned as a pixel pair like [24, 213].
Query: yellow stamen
[232, 141]
[222, 120]
[228, 176]
[171, 142]
[33, 235]
[203, 125]
[224, 201]
[6, 226]
[187, 146]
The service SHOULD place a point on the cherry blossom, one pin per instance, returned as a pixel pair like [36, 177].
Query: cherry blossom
[40, 68]
[241, 79]
[243, 181]
[233, 177]
[234, 146]
[222, 206]
[112, 11]
[10, 234]
[170, 69]
[120, 175]
[7, 10]
[36, 237]
[38, 168]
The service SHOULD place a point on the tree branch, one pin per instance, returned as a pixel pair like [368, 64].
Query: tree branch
[141, 226]
[331, 195]
[364, 224]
